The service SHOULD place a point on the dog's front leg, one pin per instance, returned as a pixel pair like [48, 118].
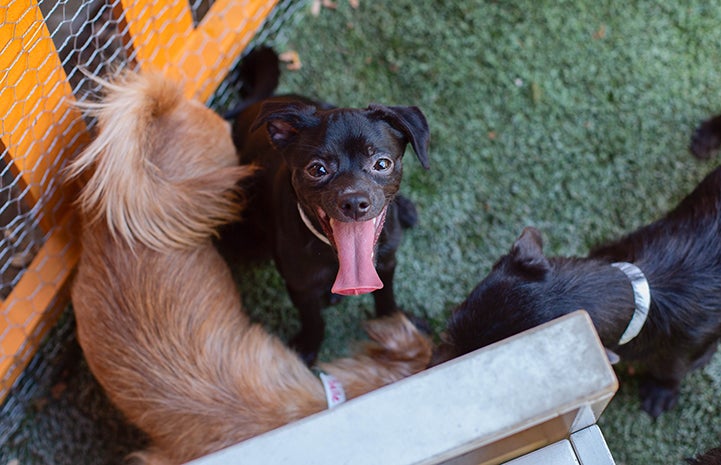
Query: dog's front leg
[312, 327]
[384, 297]
[658, 395]
[659, 388]
[388, 243]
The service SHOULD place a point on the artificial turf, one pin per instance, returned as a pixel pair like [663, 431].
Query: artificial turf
[571, 116]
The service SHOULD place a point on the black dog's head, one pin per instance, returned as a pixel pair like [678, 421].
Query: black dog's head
[525, 289]
[346, 165]
[345, 162]
[506, 302]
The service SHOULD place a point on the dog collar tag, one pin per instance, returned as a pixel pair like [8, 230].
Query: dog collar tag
[334, 392]
[641, 298]
[309, 225]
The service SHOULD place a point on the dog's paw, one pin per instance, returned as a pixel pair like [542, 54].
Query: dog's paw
[707, 138]
[658, 396]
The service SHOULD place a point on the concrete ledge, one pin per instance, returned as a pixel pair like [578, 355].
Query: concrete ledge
[586, 447]
[487, 407]
[590, 447]
[558, 453]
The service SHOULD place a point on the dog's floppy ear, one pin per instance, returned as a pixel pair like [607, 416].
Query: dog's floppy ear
[412, 123]
[527, 253]
[284, 120]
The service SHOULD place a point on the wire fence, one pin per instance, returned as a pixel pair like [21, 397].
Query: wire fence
[47, 50]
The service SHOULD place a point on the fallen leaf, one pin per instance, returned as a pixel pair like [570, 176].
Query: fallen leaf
[600, 33]
[292, 60]
[536, 92]
[317, 5]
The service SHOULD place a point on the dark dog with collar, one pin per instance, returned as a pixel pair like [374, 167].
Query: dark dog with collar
[680, 256]
[325, 199]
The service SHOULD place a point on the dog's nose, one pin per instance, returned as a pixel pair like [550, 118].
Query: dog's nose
[354, 205]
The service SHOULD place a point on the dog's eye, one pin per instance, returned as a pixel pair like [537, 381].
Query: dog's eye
[382, 164]
[317, 170]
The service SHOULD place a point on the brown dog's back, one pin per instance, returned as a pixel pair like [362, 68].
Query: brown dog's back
[159, 317]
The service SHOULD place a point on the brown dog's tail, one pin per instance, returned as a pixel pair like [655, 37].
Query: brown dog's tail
[165, 168]
[397, 349]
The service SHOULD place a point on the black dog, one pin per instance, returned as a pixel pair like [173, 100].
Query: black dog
[680, 256]
[325, 199]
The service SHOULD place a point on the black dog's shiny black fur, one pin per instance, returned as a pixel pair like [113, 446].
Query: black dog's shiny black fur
[284, 136]
[710, 457]
[680, 255]
[706, 140]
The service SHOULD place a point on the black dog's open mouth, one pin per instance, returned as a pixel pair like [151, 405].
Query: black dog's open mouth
[354, 242]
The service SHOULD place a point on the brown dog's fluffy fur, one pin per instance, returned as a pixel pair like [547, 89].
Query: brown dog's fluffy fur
[159, 317]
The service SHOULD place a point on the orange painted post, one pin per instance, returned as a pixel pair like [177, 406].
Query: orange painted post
[39, 125]
[158, 30]
[216, 43]
[165, 40]
[32, 306]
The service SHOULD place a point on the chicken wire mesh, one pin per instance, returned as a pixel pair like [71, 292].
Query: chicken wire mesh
[40, 132]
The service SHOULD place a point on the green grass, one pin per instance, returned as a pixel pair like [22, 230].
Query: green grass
[572, 116]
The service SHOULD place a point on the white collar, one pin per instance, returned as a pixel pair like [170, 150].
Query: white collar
[334, 392]
[641, 298]
[309, 225]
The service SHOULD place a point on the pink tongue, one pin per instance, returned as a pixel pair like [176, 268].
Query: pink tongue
[354, 242]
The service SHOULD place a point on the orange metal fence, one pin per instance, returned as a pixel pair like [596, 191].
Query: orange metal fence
[43, 47]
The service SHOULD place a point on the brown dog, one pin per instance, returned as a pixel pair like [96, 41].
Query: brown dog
[159, 317]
